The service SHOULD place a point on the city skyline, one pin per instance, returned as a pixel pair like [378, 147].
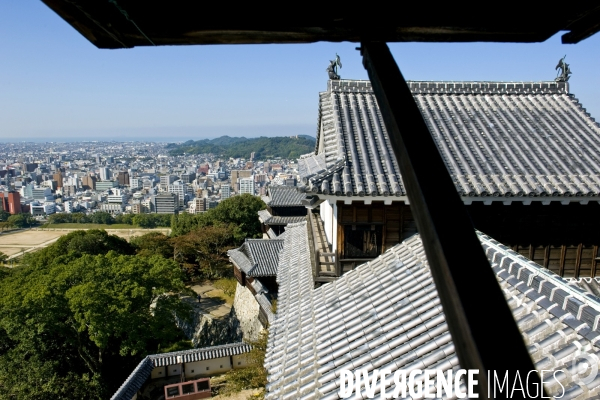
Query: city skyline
[59, 87]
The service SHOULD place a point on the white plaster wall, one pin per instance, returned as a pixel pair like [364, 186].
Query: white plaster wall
[240, 361]
[246, 310]
[327, 218]
[334, 227]
[207, 367]
[173, 370]
[158, 372]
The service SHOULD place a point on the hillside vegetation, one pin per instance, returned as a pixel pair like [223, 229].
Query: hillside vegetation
[241, 147]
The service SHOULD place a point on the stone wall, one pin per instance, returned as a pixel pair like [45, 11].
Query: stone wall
[205, 330]
[246, 309]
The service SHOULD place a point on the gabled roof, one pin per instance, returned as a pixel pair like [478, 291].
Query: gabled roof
[387, 314]
[142, 372]
[284, 196]
[497, 139]
[266, 218]
[257, 257]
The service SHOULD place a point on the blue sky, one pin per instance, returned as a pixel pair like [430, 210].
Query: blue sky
[55, 85]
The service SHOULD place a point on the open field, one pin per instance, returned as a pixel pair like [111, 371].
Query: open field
[13, 244]
[88, 226]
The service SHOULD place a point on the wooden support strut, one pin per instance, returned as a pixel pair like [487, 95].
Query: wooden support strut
[486, 340]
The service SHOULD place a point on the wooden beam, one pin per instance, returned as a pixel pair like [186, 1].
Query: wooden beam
[531, 252]
[578, 259]
[547, 256]
[563, 253]
[594, 261]
[485, 340]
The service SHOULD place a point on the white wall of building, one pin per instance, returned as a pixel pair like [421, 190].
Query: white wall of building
[328, 215]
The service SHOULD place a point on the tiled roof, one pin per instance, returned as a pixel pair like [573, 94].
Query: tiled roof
[206, 353]
[497, 139]
[135, 381]
[387, 314]
[142, 372]
[591, 285]
[257, 257]
[266, 218]
[284, 196]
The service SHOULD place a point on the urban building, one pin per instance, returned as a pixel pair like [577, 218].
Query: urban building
[41, 193]
[236, 175]
[165, 203]
[136, 183]
[166, 180]
[225, 191]
[247, 186]
[105, 174]
[11, 202]
[123, 178]
[198, 205]
[103, 186]
[89, 182]
[58, 178]
[180, 189]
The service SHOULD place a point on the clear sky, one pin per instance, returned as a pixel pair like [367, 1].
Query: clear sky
[55, 85]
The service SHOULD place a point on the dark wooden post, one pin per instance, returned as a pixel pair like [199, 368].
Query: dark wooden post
[484, 332]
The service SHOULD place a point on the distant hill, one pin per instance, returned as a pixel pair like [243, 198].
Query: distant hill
[241, 147]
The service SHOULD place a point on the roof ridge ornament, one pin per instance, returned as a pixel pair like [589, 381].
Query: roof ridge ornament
[332, 69]
[565, 72]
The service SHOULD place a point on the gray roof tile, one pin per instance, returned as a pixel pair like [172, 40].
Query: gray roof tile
[284, 196]
[497, 139]
[257, 257]
[387, 312]
[142, 372]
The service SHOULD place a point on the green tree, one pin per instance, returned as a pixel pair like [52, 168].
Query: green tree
[3, 258]
[203, 252]
[77, 329]
[76, 244]
[102, 217]
[22, 220]
[153, 243]
[241, 211]
[238, 211]
[4, 215]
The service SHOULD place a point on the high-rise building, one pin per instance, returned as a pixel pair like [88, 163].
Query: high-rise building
[247, 186]
[237, 174]
[166, 180]
[89, 182]
[30, 167]
[166, 203]
[11, 202]
[225, 192]
[123, 178]
[180, 189]
[198, 205]
[58, 178]
[105, 174]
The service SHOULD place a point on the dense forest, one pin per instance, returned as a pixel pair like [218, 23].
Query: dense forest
[241, 147]
[79, 315]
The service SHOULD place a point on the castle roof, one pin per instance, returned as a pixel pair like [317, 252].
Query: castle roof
[498, 139]
[387, 314]
[257, 257]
